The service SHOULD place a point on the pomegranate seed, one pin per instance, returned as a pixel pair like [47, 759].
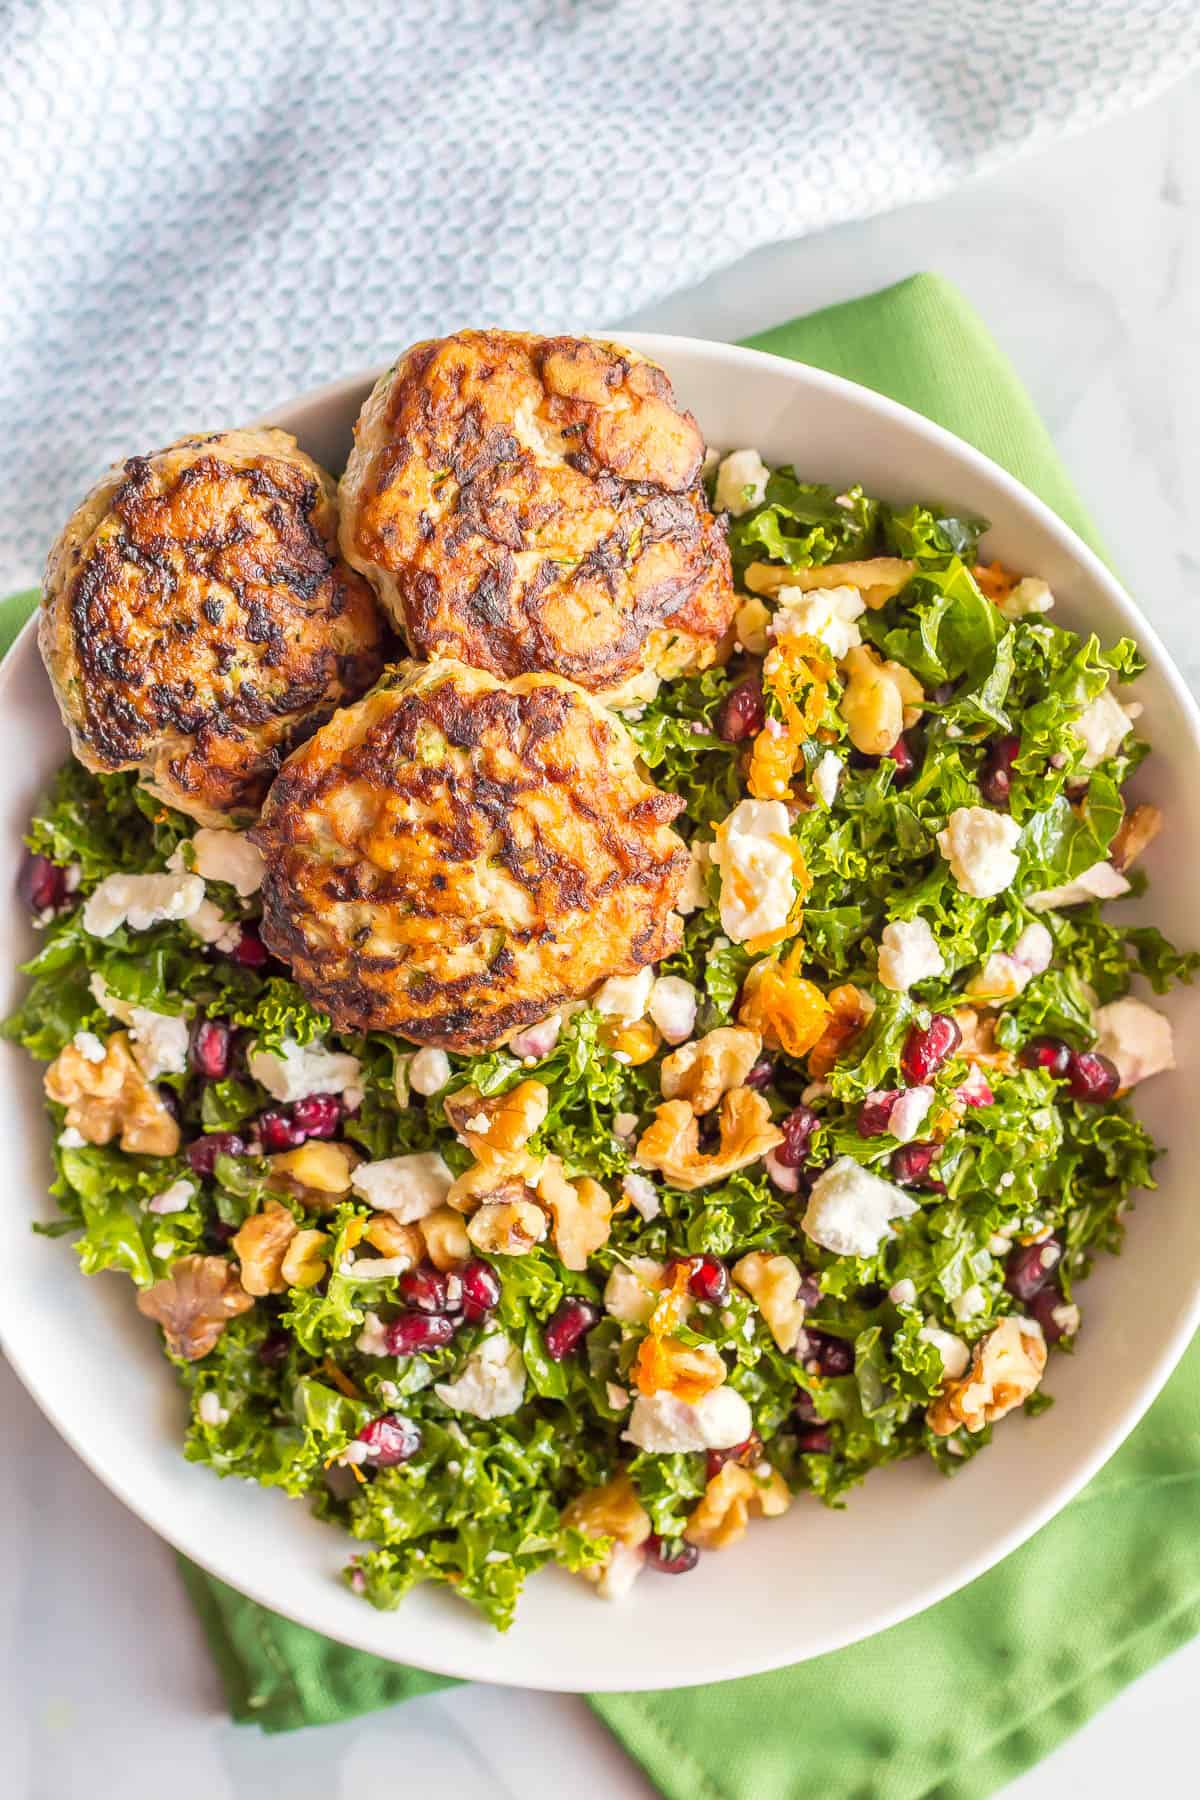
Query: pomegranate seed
[876, 1111]
[748, 1452]
[804, 1408]
[1043, 1307]
[814, 1440]
[1049, 1053]
[911, 1163]
[203, 1152]
[1091, 1076]
[318, 1116]
[1029, 1268]
[797, 1129]
[570, 1322]
[833, 1355]
[209, 1048]
[41, 883]
[390, 1439]
[423, 1288]
[809, 1291]
[925, 1051]
[742, 713]
[685, 1558]
[278, 1133]
[273, 1349]
[480, 1289]
[906, 763]
[995, 777]
[419, 1331]
[710, 1281]
[250, 951]
[761, 1075]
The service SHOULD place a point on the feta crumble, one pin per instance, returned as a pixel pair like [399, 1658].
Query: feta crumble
[753, 854]
[1028, 597]
[828, 614]
[491, 1383]
[1103, 725]
[1100, 882]
[849, 1209]
[741, 483]
[827, 776]
[227, 856]
[980, 846]
[631, 1291]
[214, 927]
[664, 1425]
[673, 1006]
[296, 1071]
[71, 1139]
[429, 1071]
[642, 1195]
[176, 1198]
[89, 1046]
[409, 1187]
[140, 901]
[694, 893]
[625, 997]
[953, 1352]
[1136, 1038]
[908, 953]
[909, 1113]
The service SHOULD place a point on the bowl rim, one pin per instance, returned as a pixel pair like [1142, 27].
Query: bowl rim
[727, 1663]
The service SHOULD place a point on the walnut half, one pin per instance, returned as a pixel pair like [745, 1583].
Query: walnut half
[260, 1246]
[672, 1142]
[104, 1098]
[702, 1071]
[194, 1303]
[612, 1511]
[731, 1499]
[775, 1283]
[1005, 1369]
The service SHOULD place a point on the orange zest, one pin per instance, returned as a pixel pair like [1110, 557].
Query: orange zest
[340, 1379]
[788, 1011]
[796, 674]
[994, 580]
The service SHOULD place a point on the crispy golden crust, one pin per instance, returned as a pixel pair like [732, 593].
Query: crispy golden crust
[196, 618]
[526, 503]
[456, 856]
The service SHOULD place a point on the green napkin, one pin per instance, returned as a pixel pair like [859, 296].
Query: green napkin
[954, 1703]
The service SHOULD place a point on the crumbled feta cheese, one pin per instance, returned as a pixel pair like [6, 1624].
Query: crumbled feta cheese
[176, 1198]
[786, 1179]
[1066, 1317]
[631, 1291]
[1136, 1038]
[1007, 973]
[140, 901]
[625, 1124]
[209, 1409]
[409, 1187]
[159, 1040]
[827, 776]
[908, 953]
[72, 876]
[665, 1425]
[618, 1397]
[228, 856]
[1100, 882]
[70, 1139]
[827, 614]
[980, 847]
[622, 1569]
[296, 1071]
[212, 926]
[491, 1383]
[642, 1195]
[1029, 596]
[537, 1040]
[953, 1352]
[970, 1303]
[903, 1293]
[89, 1046]
[1103, 725]
[741, 483]
[909, 1113]
[673, 1004]
[429, 1071]
[753, 853]
[625, 997]
[849, 1209]
[694, 892]
[372, 1340]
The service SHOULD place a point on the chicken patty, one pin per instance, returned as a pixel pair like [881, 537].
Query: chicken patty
[525, 503]
[197, 619]
[455, 856]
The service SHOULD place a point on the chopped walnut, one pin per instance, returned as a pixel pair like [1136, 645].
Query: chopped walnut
[1006, 1367]
[731, 1499]
[877, 579]
[881, 700]
[194, 1303]
[104, 1098]
[581, 1210]
[260, 1246]
[501, 1123]
[774, 1282]
[318, 1172]
[672, 1142]
[445, 1238]
[978, 1041]
[668, 1365]
[707, 1068]
[849, 1010]
[1136, 832]
[392, 1239]
[507, 1227]
[612, 1511]
[305, 1259]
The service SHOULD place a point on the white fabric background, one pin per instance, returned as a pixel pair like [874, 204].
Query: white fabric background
[208, 206]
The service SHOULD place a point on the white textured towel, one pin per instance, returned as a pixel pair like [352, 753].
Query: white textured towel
[210, 205]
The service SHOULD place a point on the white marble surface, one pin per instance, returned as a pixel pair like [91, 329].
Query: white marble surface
[1086, 263]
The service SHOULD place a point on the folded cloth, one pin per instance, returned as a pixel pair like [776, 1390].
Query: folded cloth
[959, 1700]
[208, 207]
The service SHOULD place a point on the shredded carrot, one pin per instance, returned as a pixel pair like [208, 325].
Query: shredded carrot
[341, 1380]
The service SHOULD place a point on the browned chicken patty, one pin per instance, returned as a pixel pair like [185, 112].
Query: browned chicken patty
[197, 619]
[455, 856]
[524, 502]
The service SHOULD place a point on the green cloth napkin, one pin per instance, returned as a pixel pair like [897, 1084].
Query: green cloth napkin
[961, 1699]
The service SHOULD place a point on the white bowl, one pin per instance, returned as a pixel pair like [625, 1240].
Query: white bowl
[793, 1588]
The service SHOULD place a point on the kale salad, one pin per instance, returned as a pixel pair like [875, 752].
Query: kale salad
[816, 1193]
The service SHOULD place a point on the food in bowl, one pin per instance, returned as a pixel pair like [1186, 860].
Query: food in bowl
[811, 1191]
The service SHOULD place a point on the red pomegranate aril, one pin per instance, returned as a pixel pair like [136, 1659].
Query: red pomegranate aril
[317, 1116]
[805, 1409]
[926, 1050]
[423, 1288]
[995, 776]
[210, 1048]
[876, 1111]
[390, 1439]
[742, 714]
[748, 1452]
[657, 1557]
[911, 1163]
[813, 1440]
[1091, 1076]
[1043, 1307]
[833, 1355]
[1030, 1267]
[1049, 1053]
[274, 1349]
[250, 950]
[906, 763]
[568, 1325]
[761, 1075]
[797, 1129]
[414, 1331]
[202, 1152]
[41, 884]
[709, 1281]
[480, 1289]
[277, 1132]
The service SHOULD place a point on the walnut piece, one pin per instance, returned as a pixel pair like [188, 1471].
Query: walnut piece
[774, 1283]
[1006, 1367]
[507, 1227]
[880, 701]
[612, 1511]
[501, 1123]
[580, 1209]
[194, 1303]
[305, 1259]
[702, 1071]
[318, 1172]
[1136, 832]
[260, 1246]
[978, 1041]
[877, 579]
[104, 1098]
[392, 1239]
[444, 1236]
[731, 1499]
[671, 1143]
[849, 1010]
